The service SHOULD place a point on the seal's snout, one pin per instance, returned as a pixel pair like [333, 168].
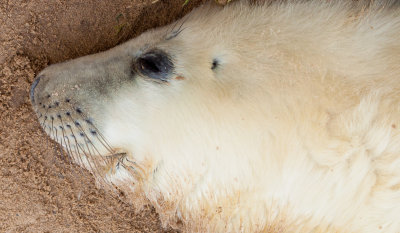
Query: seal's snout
[34, 84]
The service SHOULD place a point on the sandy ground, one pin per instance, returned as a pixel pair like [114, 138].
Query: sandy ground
[39, 191]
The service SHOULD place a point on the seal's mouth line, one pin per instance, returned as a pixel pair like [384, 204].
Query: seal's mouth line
[116, 155]
[112, 153]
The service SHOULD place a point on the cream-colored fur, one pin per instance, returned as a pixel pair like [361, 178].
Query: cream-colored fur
[296, 130]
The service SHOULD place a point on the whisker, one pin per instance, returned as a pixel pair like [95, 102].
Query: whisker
[138, 172]
[180, 29]
[51, 135]
[45, 116]
[93, 165]
[104, 163]
[102, 139]
[69, 150]
[104, 142]
[131, 168]
[47, 138]
[52, 125]
[69, 143]
[88, 149]
[79, 157]
[92, 159]
[68, 158]
[172, 34]
[54, 135]
[87, 137]
[96, 161]
[83, 151]
[169, 31]
[142, 171]
[99, 174]
[60, 142]
[76, 153]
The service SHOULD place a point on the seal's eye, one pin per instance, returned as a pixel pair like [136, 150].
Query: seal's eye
[215, 64]
[155, 64]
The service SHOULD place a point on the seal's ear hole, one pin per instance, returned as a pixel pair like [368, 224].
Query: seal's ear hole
[155, 64]
[215, 64]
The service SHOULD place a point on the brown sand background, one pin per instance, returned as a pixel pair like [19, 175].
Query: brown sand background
[40, 192]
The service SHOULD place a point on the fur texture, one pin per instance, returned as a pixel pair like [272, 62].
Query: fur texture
[278, 117]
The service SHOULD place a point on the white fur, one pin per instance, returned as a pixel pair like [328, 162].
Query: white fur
[297, 130]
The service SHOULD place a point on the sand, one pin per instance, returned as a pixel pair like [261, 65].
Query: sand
[39, 190]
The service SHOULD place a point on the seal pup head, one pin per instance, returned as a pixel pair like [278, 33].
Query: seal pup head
[204, 116]
[145, 106]
[157, 113]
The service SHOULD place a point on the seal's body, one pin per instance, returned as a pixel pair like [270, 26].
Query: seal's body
[282, 117]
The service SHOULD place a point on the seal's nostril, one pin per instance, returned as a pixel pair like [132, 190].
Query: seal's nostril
[32, 92]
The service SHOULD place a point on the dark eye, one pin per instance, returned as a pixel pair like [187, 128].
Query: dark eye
[155, 64]
[215, 64]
